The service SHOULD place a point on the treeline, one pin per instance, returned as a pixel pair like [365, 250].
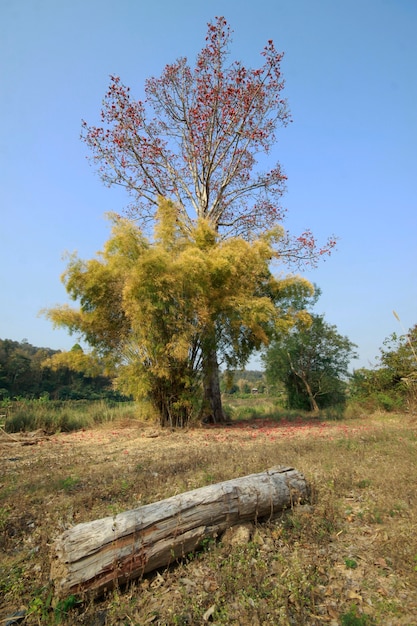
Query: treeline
[23, 374]
[243, 382]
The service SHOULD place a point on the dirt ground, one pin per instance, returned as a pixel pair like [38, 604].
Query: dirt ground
[351, 555]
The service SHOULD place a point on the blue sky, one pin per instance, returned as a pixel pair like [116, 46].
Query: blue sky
[350, 154]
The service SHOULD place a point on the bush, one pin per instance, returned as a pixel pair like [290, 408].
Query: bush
[378, 401]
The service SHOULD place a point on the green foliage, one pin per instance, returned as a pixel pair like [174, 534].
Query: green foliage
[64, 606]
[312, 362]
[30, 372]
[152, 311]
[40, 607]
[12, 580]
[353, 618]
[69, 483]
[392, 385]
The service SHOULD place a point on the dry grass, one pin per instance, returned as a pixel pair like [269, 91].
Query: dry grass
[350, 559]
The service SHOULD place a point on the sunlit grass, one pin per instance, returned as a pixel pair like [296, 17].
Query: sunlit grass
[66, 416]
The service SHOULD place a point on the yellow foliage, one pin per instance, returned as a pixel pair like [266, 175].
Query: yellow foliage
[77, 361]
[150, 305]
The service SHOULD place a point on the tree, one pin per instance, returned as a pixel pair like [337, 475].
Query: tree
[393, 382]
[312, 361]
[196, 139]
[149, 307]
[398, 354]
[30, 372]
[19, 368]
[76, 360]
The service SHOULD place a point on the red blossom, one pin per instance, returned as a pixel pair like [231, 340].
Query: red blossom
[196, 139]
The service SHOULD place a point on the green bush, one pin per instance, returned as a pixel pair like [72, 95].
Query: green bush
[388, 402]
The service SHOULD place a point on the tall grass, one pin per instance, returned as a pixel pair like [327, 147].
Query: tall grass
[270, 408]
[65, 416]
[69, 415]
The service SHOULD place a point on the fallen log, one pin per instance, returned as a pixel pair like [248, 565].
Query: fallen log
[94, 556]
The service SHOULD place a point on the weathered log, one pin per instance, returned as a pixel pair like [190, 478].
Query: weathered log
[94, 556]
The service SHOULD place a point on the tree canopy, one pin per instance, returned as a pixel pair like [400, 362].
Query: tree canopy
[149, 307]
[27, 371]
[198, 138]
[392, 383]
[312, 362]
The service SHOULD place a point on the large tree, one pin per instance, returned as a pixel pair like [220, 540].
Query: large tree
[312, 362]
[145, 307]
[196, 139]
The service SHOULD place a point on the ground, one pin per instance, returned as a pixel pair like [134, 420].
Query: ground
[349, 557]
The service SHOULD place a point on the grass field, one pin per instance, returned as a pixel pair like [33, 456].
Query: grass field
[350, 558]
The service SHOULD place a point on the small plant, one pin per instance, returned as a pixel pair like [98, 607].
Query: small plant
[11, 581]
[351, 563]
[68, 484]
[395, 510]
[207, 543]
[4, 516]
[362, 484]
[208, 478]
[352, 618]
[64, 606]
[40, 607]
[376, 517]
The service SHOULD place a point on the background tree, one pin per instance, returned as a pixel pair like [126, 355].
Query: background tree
[148, 307]
[398, 354]
[196, 139]
[234, 381]
[312, 362]
[392, 384]
[27, 371]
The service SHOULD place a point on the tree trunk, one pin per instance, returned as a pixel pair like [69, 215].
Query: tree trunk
[303, 378]
[170, 398]
[312, 399]
[95, 556]
[172, 414]
[212, 409]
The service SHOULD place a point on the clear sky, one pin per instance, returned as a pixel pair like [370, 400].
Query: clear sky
[350, 154]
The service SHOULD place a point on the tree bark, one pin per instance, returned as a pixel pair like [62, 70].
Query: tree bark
[312, 399]
[212, 409]
[95, 556]
[313, 403]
